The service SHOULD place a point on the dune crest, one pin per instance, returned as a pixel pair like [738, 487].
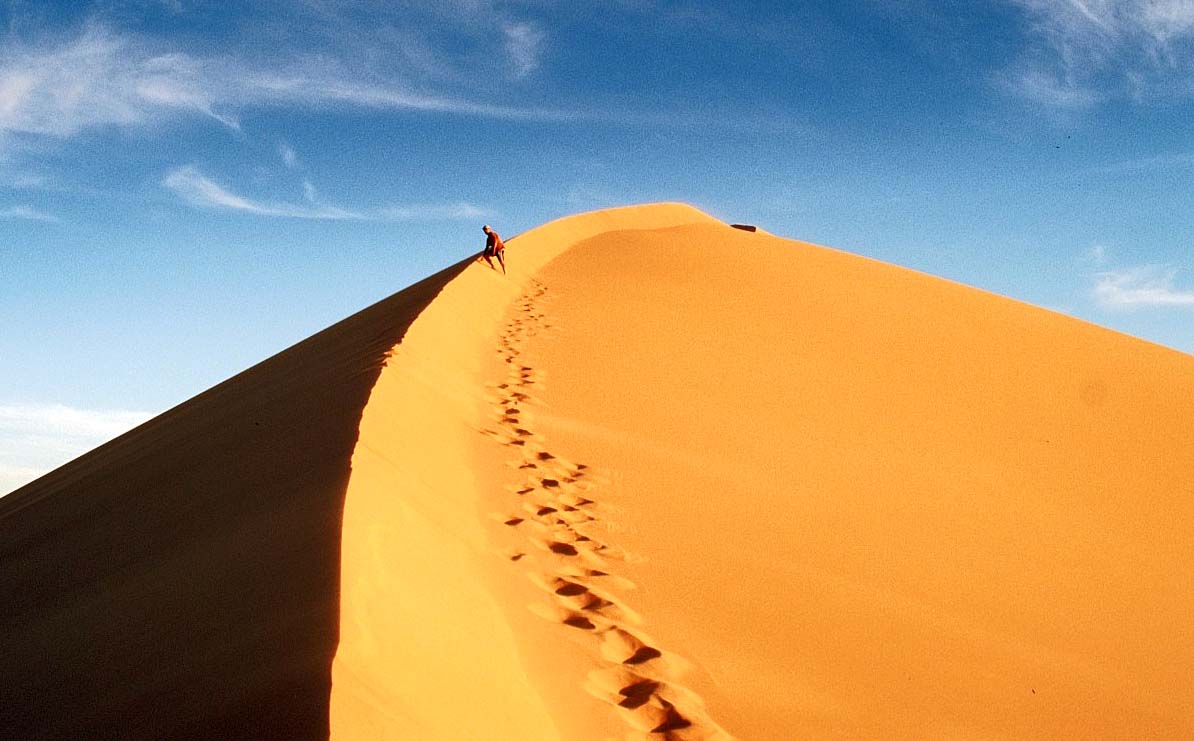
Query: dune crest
[414, 499]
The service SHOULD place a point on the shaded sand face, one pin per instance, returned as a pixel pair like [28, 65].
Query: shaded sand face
[183, 580]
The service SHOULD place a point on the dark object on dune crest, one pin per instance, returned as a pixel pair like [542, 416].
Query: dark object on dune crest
[745, 227]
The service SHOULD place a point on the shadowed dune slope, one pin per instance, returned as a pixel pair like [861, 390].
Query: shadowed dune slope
[183, 579]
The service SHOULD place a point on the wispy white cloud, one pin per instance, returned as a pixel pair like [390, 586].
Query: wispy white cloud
[524, 45]
[1053, 88]
[199, 190]
[36, 438]
[66, 423]
[12, 477]
[1167, 21]
[103, 78]
[1097, 254]
[445, 40]
[99, 79]
[317, 87]
[288, 155]
[1085, 51]
[25, 212]
[1140, 287]
[434, 212]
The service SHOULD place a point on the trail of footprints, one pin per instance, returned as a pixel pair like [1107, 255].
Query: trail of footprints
[562, 546]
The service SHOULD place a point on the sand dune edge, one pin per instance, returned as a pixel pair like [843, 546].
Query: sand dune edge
[415, 552]
[182, 581]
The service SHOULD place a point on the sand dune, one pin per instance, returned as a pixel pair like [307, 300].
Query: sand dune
[666, 479]
[183, 579]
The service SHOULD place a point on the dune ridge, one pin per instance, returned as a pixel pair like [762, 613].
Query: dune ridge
[666, 479]
[182, 580]
[418, 436]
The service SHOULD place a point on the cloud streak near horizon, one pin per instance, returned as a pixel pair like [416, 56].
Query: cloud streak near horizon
[36, 438]
[199, 190]
[1147, 286]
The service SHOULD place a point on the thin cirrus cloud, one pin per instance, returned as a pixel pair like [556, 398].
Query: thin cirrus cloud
[524, 46]
[199, 190]
[323, 87]
[288, 155]
[103, 78]
[26, 213]
[1146, 286]
[1086, 51]
[36, 438]
[433, 212]
[99, 79]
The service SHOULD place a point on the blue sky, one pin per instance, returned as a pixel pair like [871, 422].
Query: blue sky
[187, 187]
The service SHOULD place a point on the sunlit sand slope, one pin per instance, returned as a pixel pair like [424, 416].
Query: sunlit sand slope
[183, 580]
[856, 501]
[673, 479]
[434, 642]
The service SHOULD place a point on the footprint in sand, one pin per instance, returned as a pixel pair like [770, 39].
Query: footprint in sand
[621, 647]
[640, 682]
[564, 549]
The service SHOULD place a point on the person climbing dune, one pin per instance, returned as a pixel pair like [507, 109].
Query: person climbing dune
[494, 247]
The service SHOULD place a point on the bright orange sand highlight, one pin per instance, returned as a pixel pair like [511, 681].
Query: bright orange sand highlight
[667, 479]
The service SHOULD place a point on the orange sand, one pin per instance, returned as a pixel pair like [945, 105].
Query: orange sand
[870, 503]
[665, 476]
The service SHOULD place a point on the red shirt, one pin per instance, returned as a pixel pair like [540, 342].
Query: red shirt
[494, 242]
